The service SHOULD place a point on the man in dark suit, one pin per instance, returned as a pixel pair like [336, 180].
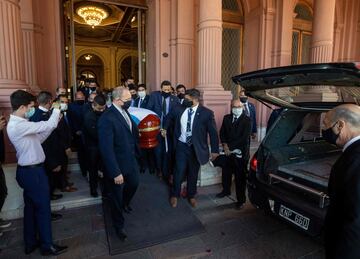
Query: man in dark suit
[234, 135]
[75, 116]
[163, 103]
[119, 149]
[147, 154]
[90, 132]
[341, 126]
[180, 92]
[192, 123]
[51, 146]
[143, 97]
[250, 111]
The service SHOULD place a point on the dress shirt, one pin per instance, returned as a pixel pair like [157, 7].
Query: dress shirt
[27, 136]
[140, 102]
[125, 115]
[43, 108]
[183, 122]
[350, 142]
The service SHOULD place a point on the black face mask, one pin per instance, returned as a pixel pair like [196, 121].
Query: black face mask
[329, 135]
[92, 88]
[165, 95]
[134, 96]
[181, 96]
[187, 103]
[126, 105]
[80, 102]
[243, 99]
[98, 113]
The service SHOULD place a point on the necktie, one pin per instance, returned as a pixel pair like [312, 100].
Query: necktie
[188, 127]
[128, 121]
[140, 101]
[247, 112]
[164, 106]
[234, 119]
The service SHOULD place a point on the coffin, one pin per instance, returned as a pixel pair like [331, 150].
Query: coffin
[148, 124]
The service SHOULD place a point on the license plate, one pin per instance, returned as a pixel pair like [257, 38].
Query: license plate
[294, 217]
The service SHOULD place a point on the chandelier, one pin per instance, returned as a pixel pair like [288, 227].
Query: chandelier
[92, 15]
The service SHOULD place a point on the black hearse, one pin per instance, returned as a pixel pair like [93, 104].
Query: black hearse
[289, 173]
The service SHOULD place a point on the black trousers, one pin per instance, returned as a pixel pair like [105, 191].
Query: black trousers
[94, 162]
[3, 188]
[80, 147]
[234, 166]
[186, 165]
[164, 160]
[148, 159]
[120, 195]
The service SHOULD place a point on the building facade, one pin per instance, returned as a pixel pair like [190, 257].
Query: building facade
[198, 43]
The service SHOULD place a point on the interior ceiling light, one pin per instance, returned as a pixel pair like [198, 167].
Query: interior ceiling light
[88, 57]
[92, 15]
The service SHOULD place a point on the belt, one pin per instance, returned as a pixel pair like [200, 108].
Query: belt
[31, 166]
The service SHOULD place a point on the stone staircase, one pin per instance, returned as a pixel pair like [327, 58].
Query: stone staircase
[13, 207]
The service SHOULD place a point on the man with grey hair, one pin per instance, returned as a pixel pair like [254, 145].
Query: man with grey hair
[119, 149]
[342, 222]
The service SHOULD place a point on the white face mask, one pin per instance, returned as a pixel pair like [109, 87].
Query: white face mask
[63, 106]
[237, 111]
[141, 94]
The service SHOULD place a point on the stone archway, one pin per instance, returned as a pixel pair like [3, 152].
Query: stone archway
[90, 65]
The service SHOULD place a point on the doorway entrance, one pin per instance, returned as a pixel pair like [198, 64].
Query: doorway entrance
[104, 40]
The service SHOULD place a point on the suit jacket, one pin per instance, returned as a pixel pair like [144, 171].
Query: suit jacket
[2, 147]
[90, 129]
[203, 125]
[236, 134]
[342, 222]
[252, 110]
[52, 146]
[144, 103]
[75, 116]
[155, 103]
[118, 144]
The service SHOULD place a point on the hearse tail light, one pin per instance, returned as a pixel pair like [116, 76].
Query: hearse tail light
[254, 164]
[357, 65]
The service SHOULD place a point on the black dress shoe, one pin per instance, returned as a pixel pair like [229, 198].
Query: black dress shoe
[127, 209]
[30, 249]
[55, 216]
[54, 250]
[222, 194]
[55, 197]
[121, 234]
[239, 205]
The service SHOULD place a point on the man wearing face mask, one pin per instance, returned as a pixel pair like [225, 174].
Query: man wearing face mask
[143, 97]
[90, 131]
[180, 91]
[249, 110]
[91, 88]
[87, 107]
[50, 146]
[192, 124]
[133, 92]
[234, 135]
[119, 149]
[27, 137]
[341, 127]
[163, 103]
[75, 116]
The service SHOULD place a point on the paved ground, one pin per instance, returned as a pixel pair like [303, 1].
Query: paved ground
[230, 233]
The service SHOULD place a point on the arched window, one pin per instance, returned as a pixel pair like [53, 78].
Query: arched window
[232, 35]
[88, 74]
[302, 32]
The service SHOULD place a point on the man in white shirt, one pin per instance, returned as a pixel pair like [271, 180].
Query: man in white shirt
[342, 223]
[27, 137]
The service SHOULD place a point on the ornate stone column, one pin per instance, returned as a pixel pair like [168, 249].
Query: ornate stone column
[11, 50]
[323, 31]
[28, 28]
[209, 71]
[321, 49]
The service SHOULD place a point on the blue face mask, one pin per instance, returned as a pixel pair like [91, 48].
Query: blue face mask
[30, 113]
